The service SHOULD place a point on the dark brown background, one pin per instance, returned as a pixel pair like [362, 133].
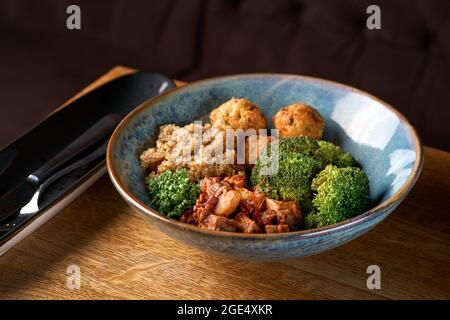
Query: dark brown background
[406, 63]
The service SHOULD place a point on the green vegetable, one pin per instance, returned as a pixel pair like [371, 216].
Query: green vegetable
[322, 177]
[296, 168]
[328, 153]
[341, 193]
[173, 192]
[302, 144]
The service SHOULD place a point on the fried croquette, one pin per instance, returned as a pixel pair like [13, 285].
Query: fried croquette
[238, 114]
[299, 119]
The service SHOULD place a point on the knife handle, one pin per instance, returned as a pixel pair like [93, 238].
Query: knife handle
[99, 130]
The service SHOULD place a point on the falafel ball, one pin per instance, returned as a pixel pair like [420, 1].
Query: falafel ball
[299, 119]
[238, 114]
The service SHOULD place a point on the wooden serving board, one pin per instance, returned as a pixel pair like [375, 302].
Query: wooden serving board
[122, 256]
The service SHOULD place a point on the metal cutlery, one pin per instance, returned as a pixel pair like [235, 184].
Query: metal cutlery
[14, 200]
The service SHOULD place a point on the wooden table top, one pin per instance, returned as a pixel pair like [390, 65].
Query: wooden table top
[122, 256]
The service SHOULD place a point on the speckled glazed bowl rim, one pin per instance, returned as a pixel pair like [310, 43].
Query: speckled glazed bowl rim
[370, 214]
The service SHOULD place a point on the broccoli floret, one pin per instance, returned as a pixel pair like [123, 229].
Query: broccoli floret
[341, 193]
[301, 144]
[292, 182]
[173, 192]
[329, 153]
[296, 169]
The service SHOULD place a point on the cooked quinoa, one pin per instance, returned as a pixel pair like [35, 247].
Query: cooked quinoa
[196, 147]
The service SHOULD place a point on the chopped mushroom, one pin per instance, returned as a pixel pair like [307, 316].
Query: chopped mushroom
[213, 222]
[227, 203]
[245, 224]
[288, 212]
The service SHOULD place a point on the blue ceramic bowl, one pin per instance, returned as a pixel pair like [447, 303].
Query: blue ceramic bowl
[377, 135]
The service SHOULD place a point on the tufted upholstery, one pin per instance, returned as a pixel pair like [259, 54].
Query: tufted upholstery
[406, 63]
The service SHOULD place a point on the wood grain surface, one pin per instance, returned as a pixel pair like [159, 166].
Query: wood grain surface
[122, 256]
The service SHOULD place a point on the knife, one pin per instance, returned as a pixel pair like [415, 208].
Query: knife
[15, 199]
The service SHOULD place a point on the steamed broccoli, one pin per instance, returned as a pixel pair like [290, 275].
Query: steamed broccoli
[329, 153]
[338, 192]
[301, 144]
[296, 168]
[173, 192]
[341, 193]
[292, 182]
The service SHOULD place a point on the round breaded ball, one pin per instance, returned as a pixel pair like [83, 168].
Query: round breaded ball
[299, 119]
[238, 114]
